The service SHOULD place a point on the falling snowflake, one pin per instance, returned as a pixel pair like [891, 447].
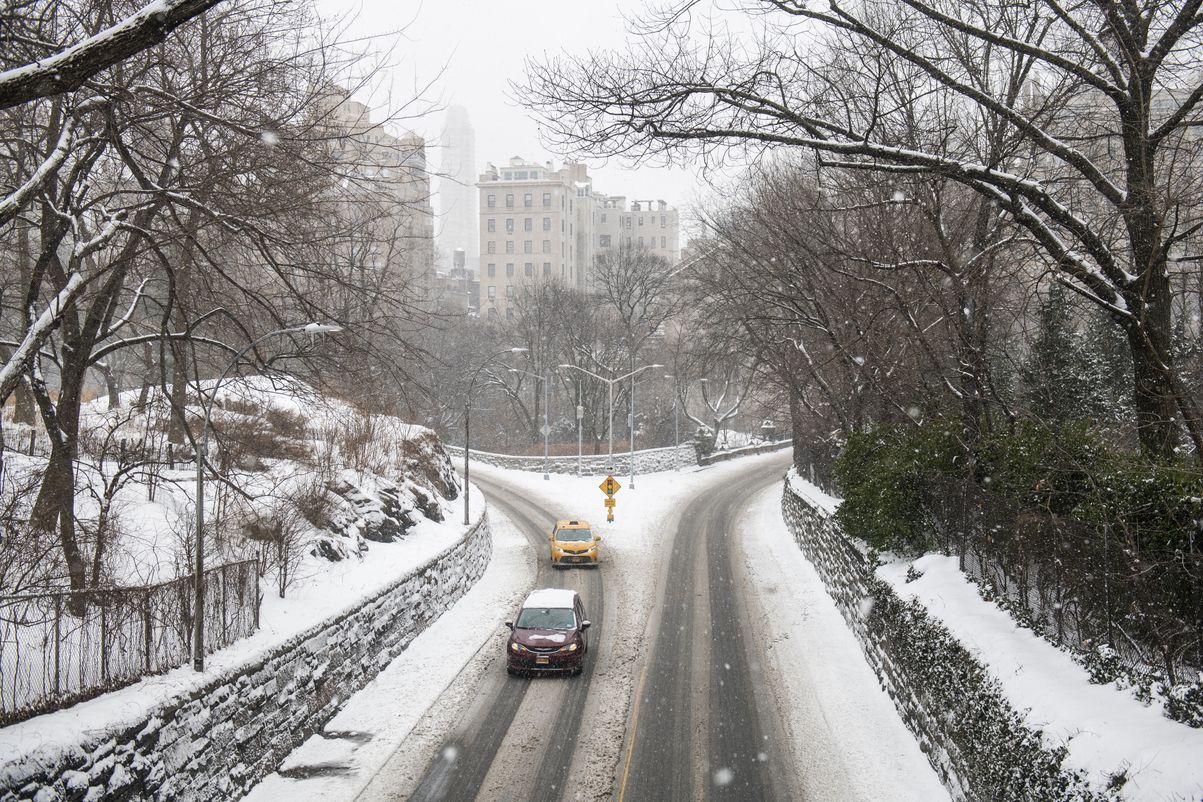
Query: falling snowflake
[269, 138]
[723, 776]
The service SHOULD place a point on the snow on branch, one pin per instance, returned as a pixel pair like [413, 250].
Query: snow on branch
[38, 333]
[70, 68]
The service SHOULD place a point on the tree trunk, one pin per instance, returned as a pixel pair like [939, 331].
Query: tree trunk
[1153, 395]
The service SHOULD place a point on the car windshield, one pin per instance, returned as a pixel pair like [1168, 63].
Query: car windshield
[575, 534]
[545, 618]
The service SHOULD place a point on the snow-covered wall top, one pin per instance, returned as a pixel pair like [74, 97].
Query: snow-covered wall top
[646, 461]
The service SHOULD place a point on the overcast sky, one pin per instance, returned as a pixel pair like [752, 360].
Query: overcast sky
[472, 49]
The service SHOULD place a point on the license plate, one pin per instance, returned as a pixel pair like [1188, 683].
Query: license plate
[542, 661]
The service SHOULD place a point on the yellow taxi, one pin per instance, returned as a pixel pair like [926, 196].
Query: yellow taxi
[574, 543]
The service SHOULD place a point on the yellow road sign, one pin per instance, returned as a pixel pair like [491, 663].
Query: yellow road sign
[610, 486]
[610, 502]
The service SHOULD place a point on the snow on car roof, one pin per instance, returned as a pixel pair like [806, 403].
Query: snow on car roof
[551, 598]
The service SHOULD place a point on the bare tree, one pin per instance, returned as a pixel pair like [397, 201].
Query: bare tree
[1074, 121]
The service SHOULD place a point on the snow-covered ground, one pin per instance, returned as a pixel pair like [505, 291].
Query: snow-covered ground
[1107, 731]
[322, 591]
[843, 726]
[845, 730]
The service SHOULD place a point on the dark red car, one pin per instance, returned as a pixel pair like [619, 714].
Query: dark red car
[549, 633]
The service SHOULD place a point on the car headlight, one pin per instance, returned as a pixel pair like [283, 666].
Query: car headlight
[571, 647]
[517, 647]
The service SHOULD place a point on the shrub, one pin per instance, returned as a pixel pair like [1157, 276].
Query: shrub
[886, 475]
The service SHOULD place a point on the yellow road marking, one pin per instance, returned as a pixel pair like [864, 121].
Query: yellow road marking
[634, 731]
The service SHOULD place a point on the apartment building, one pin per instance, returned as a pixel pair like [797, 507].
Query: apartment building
[542, 223]
[386, 177]
[650, 224]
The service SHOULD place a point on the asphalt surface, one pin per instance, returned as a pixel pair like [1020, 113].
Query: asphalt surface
[547, 709]
[703, 724]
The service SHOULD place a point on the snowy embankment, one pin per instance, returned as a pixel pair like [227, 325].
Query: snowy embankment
[395, 488]
[1121, 747]
[1109, 734]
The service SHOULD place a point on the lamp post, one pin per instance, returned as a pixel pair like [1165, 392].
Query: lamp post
[468, 416]
[632, 426]
[610, 383]
[546, 428]
[202, 448]
[676, 424]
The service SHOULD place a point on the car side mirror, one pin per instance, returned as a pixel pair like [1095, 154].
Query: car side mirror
[509, 624]
[597, 538]
[585, 624]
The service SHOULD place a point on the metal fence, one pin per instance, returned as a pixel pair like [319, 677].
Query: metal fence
[59, 648]
[1081, 585]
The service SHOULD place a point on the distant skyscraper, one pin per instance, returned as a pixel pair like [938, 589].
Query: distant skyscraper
[457, 193]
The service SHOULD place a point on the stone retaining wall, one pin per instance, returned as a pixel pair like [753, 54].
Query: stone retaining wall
[648, 460]
[979, 745]
[216, 743]
[744, 451]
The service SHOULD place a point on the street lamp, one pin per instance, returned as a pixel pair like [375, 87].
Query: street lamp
[546, 428]
[202, 448]
[468, 416]
[632, 426]
[676, 424]
[610, 383]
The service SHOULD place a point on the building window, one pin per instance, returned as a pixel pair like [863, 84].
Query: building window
[662, 242]
[492, 224]
[492, 291]
[492, 247]
[492, 269]
[603, 217]
[492, 202]
[520, 175]
[509, 270]
[604, 241]
[641, 242]
[528, 246]
[509, 314]
[547, 224]
[509, 246]
[492, 312]
[547, 268]
[663, 220]
[509, 226]
[546, 198]
[529, 269]
[641, 220]
[509, 290]
[546, 246]
[528, 200]
[528, 224]
[509, 201]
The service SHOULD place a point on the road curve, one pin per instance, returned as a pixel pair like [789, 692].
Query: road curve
[703, 724]
[495, 734]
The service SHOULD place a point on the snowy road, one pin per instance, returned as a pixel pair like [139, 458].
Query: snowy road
[705, 724]
[515, 716]
[719, 668]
